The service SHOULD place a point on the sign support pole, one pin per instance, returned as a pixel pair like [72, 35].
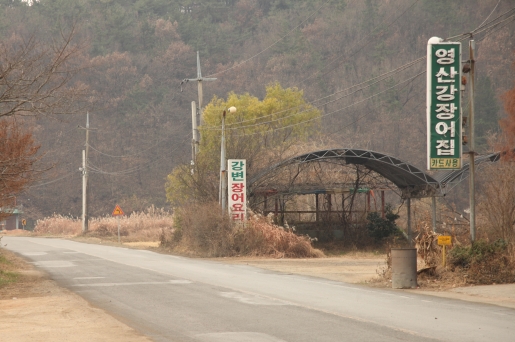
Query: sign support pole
[444, 256]
[472, 166]
[433, 212]
[118, 212]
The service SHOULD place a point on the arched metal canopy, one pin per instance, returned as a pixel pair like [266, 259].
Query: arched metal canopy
[412, 181]
[450, 179]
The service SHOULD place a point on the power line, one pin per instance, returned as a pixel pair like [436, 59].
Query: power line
[336, 111]
[273, 44]
[364, 115]
[493, 26]
[492, 23]
[52, 181]
[484, 21]
[485, 26]
[97, 169]
[132, 154]
[496, 30]
[377, 35]
[362, 86]
[463, 37]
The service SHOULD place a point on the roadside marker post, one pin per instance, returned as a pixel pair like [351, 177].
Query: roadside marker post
[444, 240]
[118, 212]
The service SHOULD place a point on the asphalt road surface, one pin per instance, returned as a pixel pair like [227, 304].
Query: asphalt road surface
[170, 298]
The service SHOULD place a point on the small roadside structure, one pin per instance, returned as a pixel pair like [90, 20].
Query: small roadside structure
[10, 218]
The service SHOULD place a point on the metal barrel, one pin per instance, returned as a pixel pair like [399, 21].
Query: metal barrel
[404, 268]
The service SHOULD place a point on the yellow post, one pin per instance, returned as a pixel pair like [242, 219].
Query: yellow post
[444, 256]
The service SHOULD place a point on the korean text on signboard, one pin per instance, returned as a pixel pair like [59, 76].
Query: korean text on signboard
[443, 105]
[237, 189]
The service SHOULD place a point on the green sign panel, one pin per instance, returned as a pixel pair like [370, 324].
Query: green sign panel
[443, 105]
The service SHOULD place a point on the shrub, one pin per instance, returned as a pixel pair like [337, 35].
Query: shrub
[382, 228]
[484, 262]
[203, 229]
[200, 228]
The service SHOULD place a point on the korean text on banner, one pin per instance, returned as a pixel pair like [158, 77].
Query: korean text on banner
[443, 105]
[237, 189]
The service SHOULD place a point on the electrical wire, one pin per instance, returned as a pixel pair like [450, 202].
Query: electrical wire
[464, 36]
[483, 26]
[362, 116]
[492, 23]
[362, 86]
[273, 44]
[336, 111]
[132, 154]
[498, 2]
[492, 27]
[493, 31]
[369, 41]
[96, 169]
[52, 181]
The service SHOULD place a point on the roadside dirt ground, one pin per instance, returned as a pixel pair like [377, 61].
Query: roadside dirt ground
[352, 268]
[36, 309]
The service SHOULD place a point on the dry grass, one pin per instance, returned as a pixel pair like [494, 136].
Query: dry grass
[203, 230]
[138, 226]
[58, 225]
[262, 238]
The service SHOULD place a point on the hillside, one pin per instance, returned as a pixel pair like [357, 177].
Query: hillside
[360, 62]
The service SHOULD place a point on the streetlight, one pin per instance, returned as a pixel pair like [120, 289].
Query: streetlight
[222, 194]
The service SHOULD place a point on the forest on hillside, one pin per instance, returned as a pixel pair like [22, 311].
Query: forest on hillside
[360, 63]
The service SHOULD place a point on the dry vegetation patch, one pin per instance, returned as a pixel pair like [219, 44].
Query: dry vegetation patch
[136, 227]
[203, 230]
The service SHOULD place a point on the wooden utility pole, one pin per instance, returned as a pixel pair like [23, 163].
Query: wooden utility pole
[199, 80]
[85, 217]
[194, 139]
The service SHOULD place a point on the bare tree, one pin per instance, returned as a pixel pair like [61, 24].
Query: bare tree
[36, 78]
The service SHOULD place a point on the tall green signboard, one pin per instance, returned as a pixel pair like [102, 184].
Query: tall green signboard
[443, 105]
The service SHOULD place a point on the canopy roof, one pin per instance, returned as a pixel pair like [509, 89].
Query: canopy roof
[412, 181]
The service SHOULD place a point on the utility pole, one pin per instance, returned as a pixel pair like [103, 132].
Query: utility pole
[194, 140]
[84, 191]
[199, 80]
[85, 217]
[221, 194]
[472, 146]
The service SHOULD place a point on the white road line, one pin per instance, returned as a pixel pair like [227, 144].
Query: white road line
[79, 278]
[33, 253]
[173, 282]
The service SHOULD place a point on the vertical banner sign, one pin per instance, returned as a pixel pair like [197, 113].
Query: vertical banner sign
[443, 105]
[237, 189]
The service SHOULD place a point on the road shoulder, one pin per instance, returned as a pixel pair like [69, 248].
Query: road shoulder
[365, 270]
[35, 308]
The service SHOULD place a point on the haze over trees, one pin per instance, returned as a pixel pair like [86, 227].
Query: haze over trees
[359, 63]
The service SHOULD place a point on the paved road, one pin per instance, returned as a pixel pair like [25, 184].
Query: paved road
[171, 298]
